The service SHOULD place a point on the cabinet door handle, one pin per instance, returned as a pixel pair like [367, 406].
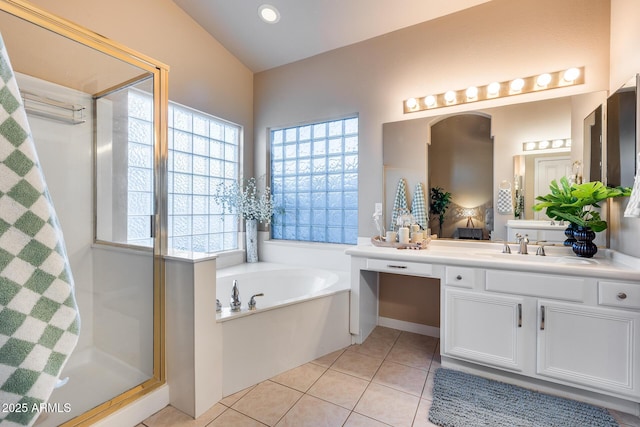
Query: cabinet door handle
[396, 266]
[519, 315]
[458, 277]
[622, 295]
[542, 317]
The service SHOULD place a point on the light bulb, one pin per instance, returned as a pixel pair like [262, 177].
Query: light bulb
[543, 80]
[543, 144]
[430, 101]
[557, 143]
[571, 74]
[472, 92]
[517, 85]
[269, 14]
[450, 96]
[493, 89]
[412, 103]
[530, 146]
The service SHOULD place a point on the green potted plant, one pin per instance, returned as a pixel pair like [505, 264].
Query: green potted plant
[576, 204]
[440, 201]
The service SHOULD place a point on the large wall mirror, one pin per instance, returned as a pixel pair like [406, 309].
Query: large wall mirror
[412, 149]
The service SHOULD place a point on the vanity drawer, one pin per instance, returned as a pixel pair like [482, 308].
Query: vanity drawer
[400, 267]
[537, 285]
[460, 276]
[619, 294]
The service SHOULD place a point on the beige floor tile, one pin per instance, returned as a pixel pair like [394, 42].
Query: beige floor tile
[401, 377]
[427, 393]
[312, 412]
[233, 398]
[388, 405]
[358, 420]
[231, 418]
[415, 357]
[422, 416]
[358, 365]
[625, 419]
[328, 359]
[386, 334]
[341, 389]
[170, 416]
[417, 340]
[267, 402]
[300, 378]
[374, 347]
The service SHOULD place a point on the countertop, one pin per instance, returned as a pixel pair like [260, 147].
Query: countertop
[606, 264]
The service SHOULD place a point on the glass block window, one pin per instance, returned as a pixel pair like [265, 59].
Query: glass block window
[203, 153]
[314, 180]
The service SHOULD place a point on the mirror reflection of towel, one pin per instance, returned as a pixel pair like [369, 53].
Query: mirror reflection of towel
[399, 204]
[505, 198]
[633, 207]
[39, 321]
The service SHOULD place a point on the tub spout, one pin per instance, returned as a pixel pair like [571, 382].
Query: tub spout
[235, 297]
[252, 301]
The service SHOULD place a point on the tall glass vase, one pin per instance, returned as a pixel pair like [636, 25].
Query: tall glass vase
[251, 234]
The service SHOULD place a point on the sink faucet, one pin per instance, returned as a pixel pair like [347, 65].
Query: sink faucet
[235, 297]
[523, 241]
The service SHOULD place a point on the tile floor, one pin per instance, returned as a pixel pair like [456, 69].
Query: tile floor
[386, 381]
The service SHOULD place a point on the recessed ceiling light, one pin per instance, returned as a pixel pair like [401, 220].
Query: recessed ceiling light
[269, 14]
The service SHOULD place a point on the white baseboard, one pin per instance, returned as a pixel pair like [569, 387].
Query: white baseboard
[416, 328]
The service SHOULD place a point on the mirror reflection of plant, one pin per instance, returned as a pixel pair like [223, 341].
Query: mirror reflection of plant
[440, 201]
[576, 202]
[246, 201]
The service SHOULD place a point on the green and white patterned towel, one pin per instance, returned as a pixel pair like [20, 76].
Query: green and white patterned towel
[400, 205]
[39, 320]
[418, 207]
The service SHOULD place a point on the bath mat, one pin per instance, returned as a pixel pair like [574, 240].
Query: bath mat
[39, 321]
[465, 400]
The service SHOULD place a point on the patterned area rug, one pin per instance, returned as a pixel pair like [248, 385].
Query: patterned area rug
[465, 400]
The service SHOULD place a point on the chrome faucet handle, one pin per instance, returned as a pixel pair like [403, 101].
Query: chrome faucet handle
[506, 249]
[552, 222]
[218, 306]
[540, 251]
[252, 301]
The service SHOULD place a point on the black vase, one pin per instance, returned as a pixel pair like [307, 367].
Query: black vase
[569, 234]
[584, 246]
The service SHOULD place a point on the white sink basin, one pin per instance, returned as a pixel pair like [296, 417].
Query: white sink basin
[533, 258]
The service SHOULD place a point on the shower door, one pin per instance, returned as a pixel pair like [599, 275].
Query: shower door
[97, 111]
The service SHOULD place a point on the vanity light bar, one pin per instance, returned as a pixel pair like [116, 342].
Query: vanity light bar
[547, 144]
[519, 86]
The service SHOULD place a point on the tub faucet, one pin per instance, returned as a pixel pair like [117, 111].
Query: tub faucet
[235, 297]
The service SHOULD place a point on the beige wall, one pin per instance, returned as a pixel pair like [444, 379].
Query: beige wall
[625, 62]
[498, 40]
[410, 299]
[204, 75]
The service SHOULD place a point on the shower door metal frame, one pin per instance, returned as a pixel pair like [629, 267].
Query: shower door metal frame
[79, 34]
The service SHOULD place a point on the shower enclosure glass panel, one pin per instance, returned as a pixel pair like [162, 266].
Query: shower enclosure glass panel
[85, 152]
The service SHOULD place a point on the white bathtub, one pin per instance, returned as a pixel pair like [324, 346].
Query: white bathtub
[304, 314]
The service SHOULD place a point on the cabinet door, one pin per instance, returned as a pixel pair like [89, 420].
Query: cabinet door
[484, 328]
[591, 346]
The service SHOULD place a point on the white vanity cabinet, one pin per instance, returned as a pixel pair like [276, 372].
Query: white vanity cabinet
[552, 327]
[484, 328]
[592, 346]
